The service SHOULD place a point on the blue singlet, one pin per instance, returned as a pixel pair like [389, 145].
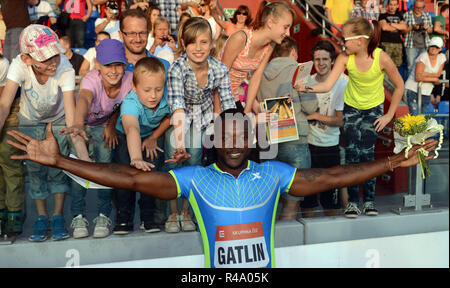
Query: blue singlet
[236, 217]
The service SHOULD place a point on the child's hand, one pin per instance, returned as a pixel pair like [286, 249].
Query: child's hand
[313, 116]
[74, 131]
[381, 122]
[151, 148]
[141, 165]
[263, 117]
[300, 87]
[179, 155]
[110, 137]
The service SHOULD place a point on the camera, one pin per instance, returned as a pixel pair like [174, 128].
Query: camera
[165, 38]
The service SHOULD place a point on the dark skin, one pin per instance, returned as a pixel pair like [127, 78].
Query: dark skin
[232, 160]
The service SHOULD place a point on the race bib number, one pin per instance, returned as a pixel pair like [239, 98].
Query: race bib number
[241, 245]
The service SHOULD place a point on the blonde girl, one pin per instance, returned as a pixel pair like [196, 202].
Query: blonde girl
[194, 80]
[364, 99]
[247, 52]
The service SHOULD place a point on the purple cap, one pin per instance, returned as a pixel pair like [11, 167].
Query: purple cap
[111, 51]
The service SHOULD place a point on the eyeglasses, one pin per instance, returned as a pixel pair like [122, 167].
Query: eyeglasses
[242, 13]
[355, 37]
[135, 34]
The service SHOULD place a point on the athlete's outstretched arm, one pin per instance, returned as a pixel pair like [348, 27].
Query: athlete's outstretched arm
[46, 152]
[315, 180]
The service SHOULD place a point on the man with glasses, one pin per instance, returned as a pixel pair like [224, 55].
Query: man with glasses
[419, 25]
[134, 33]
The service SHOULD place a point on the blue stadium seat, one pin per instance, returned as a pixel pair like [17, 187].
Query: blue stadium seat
[443, 109]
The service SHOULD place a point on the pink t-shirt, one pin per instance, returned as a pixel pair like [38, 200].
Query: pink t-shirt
[76, 8]
[102, 107]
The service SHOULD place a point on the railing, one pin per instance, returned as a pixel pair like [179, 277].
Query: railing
[322, 22]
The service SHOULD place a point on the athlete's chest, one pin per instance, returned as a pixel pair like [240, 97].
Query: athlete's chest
[252, 189]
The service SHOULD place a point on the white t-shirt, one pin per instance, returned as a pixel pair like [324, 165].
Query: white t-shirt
[42, 103]
[320, 134]
[90, 55]
[4, 65]
[112, 28]
[427, 87]
[43, 9]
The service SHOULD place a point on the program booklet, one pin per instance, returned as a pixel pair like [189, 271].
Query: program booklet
[282, 126]
[302, 72]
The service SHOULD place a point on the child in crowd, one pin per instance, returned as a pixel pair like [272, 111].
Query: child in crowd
[277, 82]
[428, 68]
[12, 194]
[90, 55]
[144, 117]
[248, 51]
[163, 44]
[194, 80]
[47, 82]
[153, 13]
[323, 137]
[101, 92]
[364, 100]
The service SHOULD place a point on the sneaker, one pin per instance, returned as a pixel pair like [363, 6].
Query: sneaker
[102, 226]
[352, 210]
[40, 230]
[59, 232]
[369, 209]
[150, 227]
[15, 223]
[122, 229]
[186, 222]
[172, 224]
[79, 225]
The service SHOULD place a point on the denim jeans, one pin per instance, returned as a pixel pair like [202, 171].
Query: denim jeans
[97, 153]
[43, 179]
[296, 155]
[76, 32]
[411, 55]
[413, 102]
[151, 209]
[360, 134]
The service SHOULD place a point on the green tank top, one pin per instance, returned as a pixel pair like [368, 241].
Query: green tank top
[365, 90]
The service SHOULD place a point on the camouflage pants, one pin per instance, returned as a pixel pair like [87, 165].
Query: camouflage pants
[395, 51]
[360, 134]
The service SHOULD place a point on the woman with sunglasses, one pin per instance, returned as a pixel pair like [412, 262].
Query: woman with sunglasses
[242, 17]
[205, 11]
[364, 100]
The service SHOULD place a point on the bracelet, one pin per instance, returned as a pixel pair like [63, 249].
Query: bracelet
[391, 166]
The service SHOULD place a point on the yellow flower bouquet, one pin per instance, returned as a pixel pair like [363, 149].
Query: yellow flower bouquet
[414, 130]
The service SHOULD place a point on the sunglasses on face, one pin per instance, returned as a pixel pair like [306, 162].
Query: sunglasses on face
[241, 13]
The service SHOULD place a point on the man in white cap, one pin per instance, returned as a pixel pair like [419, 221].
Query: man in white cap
[47, 80]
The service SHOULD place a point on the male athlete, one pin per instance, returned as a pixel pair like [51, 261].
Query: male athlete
[234, 199]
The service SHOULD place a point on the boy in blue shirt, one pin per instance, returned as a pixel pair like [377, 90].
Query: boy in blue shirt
[144, 117]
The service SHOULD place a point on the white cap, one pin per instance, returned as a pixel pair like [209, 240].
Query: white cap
[436, 41]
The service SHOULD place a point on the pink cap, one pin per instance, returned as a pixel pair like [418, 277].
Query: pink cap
[40, 42]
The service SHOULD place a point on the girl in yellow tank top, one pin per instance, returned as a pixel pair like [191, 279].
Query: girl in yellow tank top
[366, 65]
[364, 98]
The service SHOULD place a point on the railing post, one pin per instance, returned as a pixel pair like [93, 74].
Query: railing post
[306, 10]
[419, 98]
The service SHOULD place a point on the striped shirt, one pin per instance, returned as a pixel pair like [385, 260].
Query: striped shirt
[411, 21]
[184, 92]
